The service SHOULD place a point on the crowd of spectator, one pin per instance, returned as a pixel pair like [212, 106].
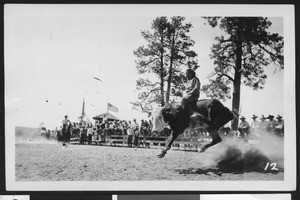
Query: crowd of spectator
[132, 129]
[86, 132]
[263, 126]
[101, 131]
[255, 129]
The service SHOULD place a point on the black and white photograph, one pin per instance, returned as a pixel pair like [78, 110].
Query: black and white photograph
[149, 97]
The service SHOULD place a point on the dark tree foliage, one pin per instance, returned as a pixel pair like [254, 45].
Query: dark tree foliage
[165, 56]
[241, 56]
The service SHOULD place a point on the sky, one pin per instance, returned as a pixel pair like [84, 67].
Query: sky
[53, 52]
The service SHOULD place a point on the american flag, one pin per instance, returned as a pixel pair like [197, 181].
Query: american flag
[112, 108]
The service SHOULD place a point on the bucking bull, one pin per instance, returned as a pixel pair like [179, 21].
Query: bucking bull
[213, 115]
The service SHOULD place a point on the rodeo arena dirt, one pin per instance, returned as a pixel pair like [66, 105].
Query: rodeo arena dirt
[114, 150]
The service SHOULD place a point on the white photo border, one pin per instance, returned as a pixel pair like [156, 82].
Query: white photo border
[193, 10]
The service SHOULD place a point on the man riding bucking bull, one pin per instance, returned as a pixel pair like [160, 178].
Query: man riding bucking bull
[192, 93]
[209, 113]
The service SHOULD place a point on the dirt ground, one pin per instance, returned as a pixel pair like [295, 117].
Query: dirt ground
[51, 162]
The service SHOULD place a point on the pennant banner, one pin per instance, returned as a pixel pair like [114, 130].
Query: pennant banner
[112, 108]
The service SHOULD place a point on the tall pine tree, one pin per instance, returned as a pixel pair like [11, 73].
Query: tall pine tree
[166, 54]
[241, 55]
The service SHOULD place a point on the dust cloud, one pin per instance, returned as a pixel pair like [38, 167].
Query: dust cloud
[34, 139]
[265, 154]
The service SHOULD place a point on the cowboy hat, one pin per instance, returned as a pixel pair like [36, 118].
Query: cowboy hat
[242, 117]
[278, 117]
[66, 116]
[270, 117]
[254, 117]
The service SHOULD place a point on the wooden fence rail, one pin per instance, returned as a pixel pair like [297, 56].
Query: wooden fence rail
[190, 143]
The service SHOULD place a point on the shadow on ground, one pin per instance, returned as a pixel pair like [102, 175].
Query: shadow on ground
[219, 172]
[235, 161]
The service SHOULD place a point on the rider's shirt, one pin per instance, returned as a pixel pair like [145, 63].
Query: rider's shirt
[193, 87]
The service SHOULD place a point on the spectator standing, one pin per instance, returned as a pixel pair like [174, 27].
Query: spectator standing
[95, 134]
[244, 127]
[109, 128]
[43, 131]
[125, 127]
[136, 133]
[150, 127]
[103, 131]
[254, 126]
[98, 131]
[59, 134]
[66, 121]
[263, 124]
[114, 127]
[271, 124]
[279, 128]
[144, 131]
[48, 134]
[66, 130]
[83, 135]
[89, 133]
[120, 128]
[130, 133]
[52, 136]
[55, 133]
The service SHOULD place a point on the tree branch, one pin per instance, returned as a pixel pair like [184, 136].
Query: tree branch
[229, 77]
[269, 52]
[150, 92]
[221, 73]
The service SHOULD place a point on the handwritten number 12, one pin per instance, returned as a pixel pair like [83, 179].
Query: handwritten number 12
[272, 165]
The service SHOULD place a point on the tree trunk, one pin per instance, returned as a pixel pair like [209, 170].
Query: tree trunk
[236, 98]
[170, 70]
[169, 81]
[237, 81]
[162, 100]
